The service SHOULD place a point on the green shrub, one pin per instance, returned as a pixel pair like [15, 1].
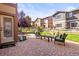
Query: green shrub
[39, 29]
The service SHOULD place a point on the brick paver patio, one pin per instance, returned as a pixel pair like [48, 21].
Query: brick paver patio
[38, 47]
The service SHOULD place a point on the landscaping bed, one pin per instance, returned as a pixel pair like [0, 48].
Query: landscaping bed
[27, 30]
[71, 36]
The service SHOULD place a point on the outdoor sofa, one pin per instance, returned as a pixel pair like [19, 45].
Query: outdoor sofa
[60, 38]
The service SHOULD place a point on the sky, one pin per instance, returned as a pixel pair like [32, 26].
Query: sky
[41, 10]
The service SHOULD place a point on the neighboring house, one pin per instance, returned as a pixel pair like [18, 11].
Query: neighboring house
[48, 22]
[8, 22]
[72, 19]
[38, 22]
[66, 20]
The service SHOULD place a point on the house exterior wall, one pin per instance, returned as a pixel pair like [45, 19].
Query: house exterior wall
[60, 20]
[37, 22]
[73, 19]
[46, 23]
[77, 20]
[50, 22]
[8, 9]
[69, 20]
[42, 23]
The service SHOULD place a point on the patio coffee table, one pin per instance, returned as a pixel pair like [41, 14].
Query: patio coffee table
[46, 36]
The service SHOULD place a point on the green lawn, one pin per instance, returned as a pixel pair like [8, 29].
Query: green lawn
[45, 33]
[73, 37]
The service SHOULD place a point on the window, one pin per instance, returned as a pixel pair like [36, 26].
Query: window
[70, 14]
[58, 25]
[7, 27]
[46, 21]
[73, 24]
[58, 16]
[67, 15]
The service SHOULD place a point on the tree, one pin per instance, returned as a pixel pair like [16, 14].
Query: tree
[21, 22]
[22, 14]
[24, 21]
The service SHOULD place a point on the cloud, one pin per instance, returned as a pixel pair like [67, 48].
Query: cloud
[70, 8]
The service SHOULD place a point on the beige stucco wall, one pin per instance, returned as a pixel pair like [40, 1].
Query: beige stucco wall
[38, 22]
[61, 20]
[46, 23]
[77, 16]
[8, 9]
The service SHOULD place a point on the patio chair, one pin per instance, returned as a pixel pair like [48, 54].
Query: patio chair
[22, 37]
[61, 38]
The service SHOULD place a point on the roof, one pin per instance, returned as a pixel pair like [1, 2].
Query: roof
[47, 17]
[59, 12]
[37, 19]
[75, 11]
